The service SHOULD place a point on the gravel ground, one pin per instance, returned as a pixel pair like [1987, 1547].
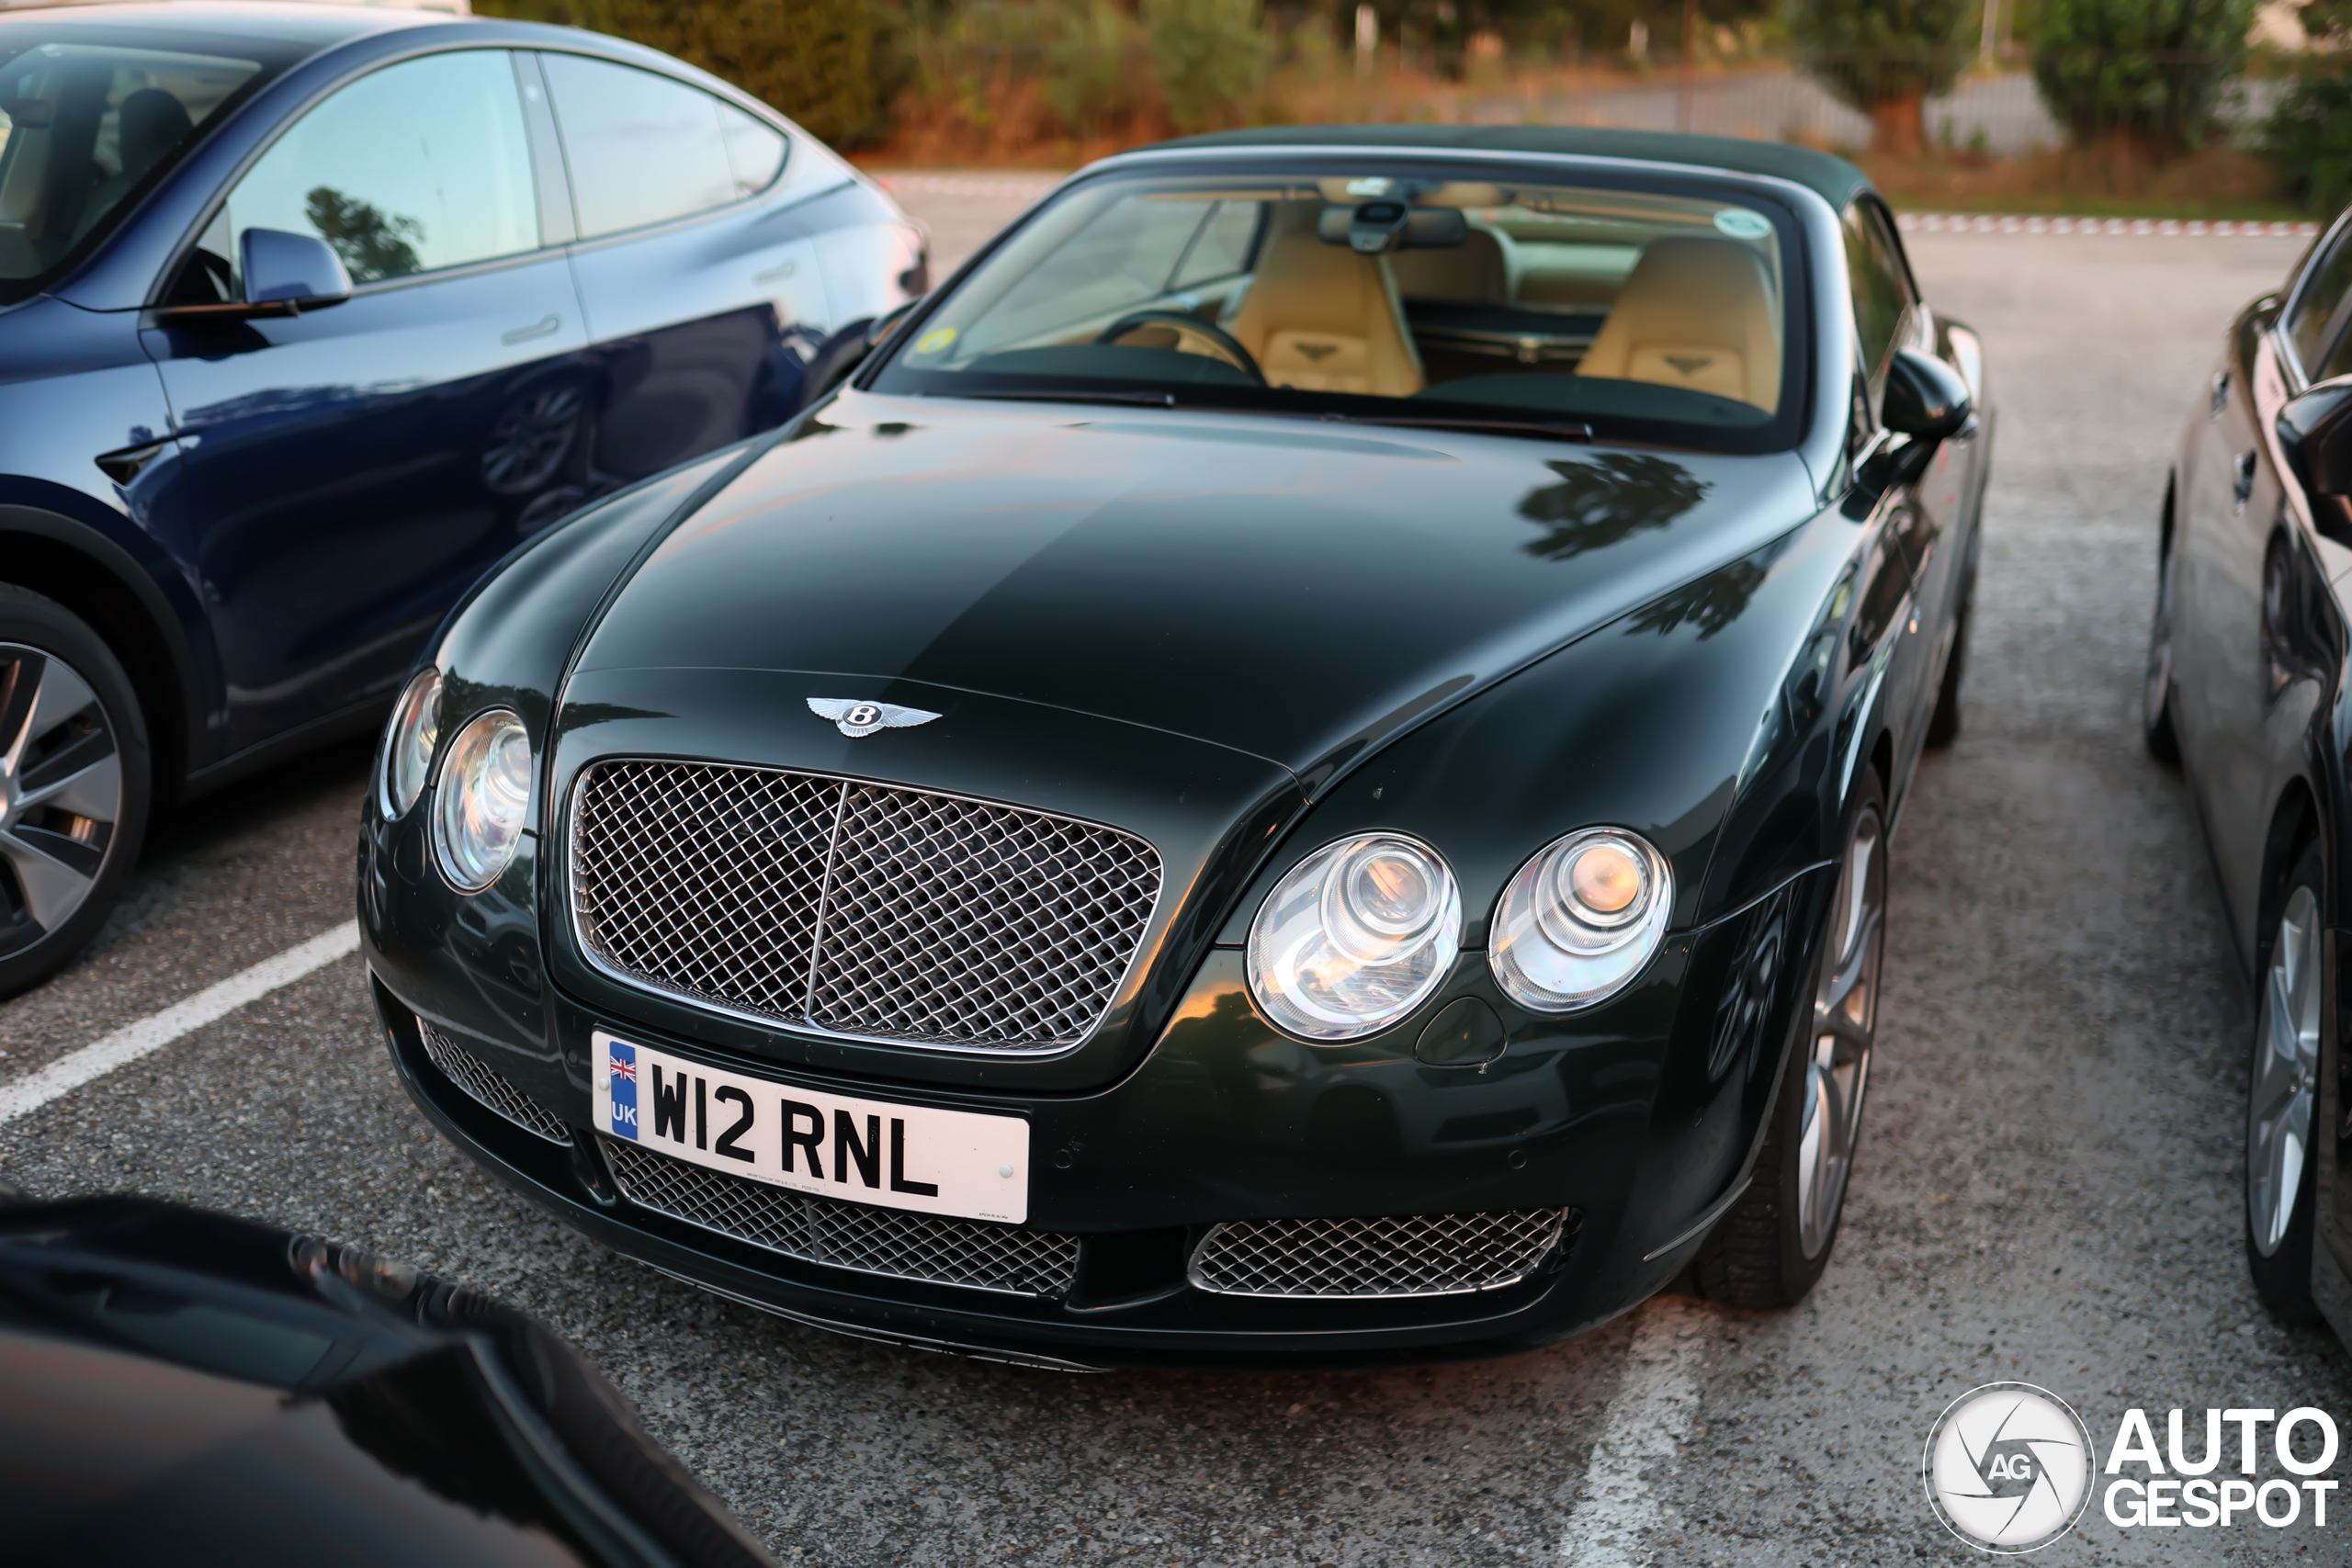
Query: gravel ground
[2048, 1190]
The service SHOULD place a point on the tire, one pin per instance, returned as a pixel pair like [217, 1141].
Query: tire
[1943, 725]
[1775, 1242]
[2282, 1094]
[2157, 728]
[75, 785]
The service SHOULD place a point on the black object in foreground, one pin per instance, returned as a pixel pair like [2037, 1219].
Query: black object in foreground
[180, 1386]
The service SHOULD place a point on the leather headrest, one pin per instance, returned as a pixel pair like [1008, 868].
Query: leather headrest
[1697, 312]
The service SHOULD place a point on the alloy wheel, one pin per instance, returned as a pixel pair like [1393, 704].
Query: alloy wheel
[530, 441]
[2286, 1075]
[1845, 1020]
[60, 793]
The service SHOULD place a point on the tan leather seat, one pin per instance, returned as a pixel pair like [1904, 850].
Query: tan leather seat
[1324, 319]
[1695, 312]
[1479, 271]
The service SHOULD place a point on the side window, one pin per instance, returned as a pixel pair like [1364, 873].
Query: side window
[1221, 245]
[644, 148]
[1882, 290]
[417, 167]
[2338, 361]
[2318, 304]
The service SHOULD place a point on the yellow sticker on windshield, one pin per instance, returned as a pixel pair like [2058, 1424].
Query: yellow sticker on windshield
[933, 341]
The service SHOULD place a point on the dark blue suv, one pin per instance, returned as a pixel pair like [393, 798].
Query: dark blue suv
[308, 314]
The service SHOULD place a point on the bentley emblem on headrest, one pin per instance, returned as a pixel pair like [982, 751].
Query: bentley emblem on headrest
[1690, 363]
[864, 718]
[1317, 351]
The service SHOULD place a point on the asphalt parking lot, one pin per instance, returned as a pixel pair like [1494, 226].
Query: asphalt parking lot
[2048, 1189]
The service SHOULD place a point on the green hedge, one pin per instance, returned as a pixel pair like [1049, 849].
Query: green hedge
[1885, 57]
[2151, 71]
[812, 59]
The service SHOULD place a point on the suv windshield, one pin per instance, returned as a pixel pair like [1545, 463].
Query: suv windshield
[1646, 310]
[86, 127]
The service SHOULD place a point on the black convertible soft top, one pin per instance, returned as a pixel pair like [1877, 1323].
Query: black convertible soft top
[1837, 181]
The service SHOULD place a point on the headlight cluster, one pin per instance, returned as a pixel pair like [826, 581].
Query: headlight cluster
[408, 747]
[1355, 937]
[1580, 920]
[484, 790]
[1361, 931]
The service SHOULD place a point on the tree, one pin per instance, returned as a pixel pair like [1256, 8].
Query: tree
[1885, 58]
[812, 59]
[2146, 73]
[1208, 55]
[2309, 133]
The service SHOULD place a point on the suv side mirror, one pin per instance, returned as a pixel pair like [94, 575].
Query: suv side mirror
[299, 270]
[284, 276]
[1926, 399]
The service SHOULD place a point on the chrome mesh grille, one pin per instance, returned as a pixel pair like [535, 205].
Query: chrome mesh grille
[860, 908]
[1007, 1258]
[1415, 1255]
[485, 1083]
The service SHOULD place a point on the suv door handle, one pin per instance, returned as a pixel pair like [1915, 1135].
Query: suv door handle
[540, 328]
[2243, 490]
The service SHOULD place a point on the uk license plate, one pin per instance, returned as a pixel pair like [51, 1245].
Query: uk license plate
[962, 1162]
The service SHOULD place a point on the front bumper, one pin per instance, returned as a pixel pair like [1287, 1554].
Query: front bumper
[1639, 1116]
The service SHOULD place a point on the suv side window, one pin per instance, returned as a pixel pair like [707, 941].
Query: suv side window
[418, 166]
[644, 148]
[1881, 287]
[2318, 304]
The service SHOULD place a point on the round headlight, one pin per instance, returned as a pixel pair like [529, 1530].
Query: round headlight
[408, 745]
[1580, 920]
[485, 789]
[1355, 937]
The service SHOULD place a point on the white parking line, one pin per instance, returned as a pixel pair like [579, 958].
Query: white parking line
[157, 1031]
[1644, 1429]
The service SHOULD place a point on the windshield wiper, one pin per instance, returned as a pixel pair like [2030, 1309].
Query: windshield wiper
[1548, 430]
[1551, 430]
[1070, 395]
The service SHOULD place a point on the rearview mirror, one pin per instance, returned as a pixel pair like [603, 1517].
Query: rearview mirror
[1377, 226]
[1926, 399]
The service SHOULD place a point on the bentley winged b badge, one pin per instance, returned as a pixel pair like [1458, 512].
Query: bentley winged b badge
[864, 718]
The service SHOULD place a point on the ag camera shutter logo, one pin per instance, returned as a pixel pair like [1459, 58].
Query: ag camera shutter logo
[2007, 1468]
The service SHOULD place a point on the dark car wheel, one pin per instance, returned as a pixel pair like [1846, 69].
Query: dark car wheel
[74, 785]
[529, 442]
[2282, 1092]
[2155, 715]
[1776, 1241]
[1943, 725]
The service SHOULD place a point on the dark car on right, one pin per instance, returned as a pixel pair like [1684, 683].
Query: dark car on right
[2246, 684]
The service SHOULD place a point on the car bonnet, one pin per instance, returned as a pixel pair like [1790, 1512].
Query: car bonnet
[1297, 590]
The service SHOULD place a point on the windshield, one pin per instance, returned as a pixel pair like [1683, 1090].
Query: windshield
[84, 129]
[1646, 310]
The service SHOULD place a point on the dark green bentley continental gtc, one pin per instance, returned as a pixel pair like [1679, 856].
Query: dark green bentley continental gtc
[1296, 768]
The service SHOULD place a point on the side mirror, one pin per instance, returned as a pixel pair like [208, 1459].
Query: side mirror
[2317, 430]
[1926, 399]
[300, 270]
[285, 275]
